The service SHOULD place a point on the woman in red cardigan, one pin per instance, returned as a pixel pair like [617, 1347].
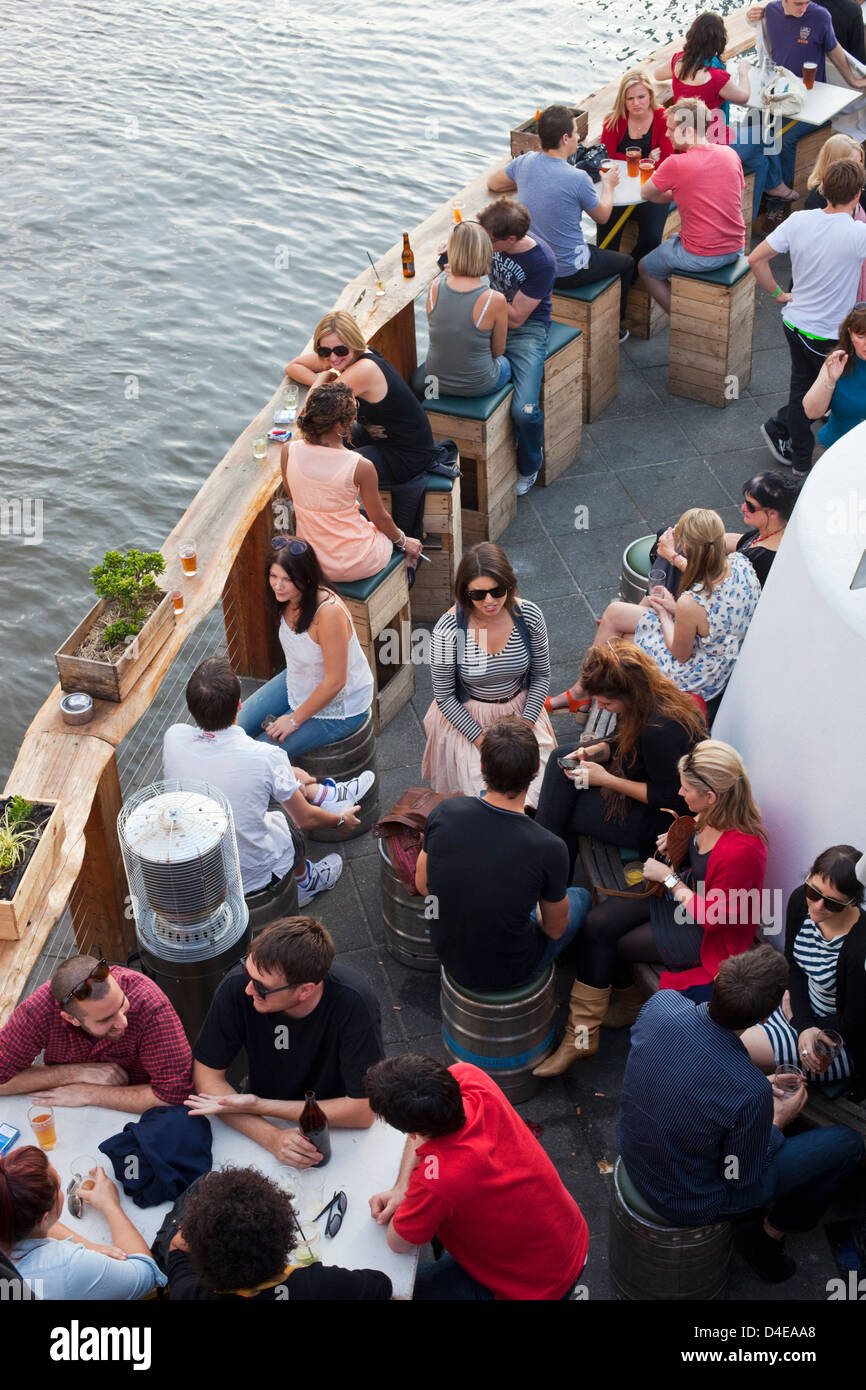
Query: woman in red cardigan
[710, 910]
[637, 120]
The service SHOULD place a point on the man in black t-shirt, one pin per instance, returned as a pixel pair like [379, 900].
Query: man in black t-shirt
[306, 1025]
[524, 269]
[503, 907]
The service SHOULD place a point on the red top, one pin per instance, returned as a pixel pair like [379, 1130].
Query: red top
[612, 135]
[153, 1050]
[495, 1200]
[729, 910]
[707, 92]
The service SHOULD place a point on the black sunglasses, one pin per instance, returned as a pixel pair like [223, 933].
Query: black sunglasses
[295, 547]
[340, 351]
[259, 988]
[750, 508]
[688, 771]
[831, 904]
[479, 595]
[335, 1219]
[100, 972]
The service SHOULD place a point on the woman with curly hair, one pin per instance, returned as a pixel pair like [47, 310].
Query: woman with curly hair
[324, 479]
[236, 1240]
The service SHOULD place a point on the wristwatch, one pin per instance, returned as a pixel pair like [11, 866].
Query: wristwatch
[672, 880]
[340, 823]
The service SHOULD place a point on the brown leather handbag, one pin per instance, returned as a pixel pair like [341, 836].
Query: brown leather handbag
[403, 829]
[679, 837]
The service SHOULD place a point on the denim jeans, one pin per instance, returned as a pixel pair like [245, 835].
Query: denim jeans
[800, 1178]
[313, 733]
[579, 903]
[790, 141]
[672, 256]
[446, 1280]
[767, 168]
[525, 348]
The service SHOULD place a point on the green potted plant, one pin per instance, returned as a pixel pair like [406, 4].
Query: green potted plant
[31, 837]
[107, 652]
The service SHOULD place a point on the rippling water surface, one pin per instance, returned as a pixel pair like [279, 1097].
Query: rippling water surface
[185, 189]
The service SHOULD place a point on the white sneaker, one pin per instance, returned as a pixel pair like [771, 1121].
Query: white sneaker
[347, 793]
[320, 877]
[525, 482]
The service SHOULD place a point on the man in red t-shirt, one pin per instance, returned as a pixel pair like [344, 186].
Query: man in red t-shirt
[474, 1177]
[706, 182]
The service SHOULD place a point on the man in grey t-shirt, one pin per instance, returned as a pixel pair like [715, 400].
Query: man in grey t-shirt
[557, 195]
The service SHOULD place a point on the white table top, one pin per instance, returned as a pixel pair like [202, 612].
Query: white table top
[627, 191]
[825, 100]
[363, 1161]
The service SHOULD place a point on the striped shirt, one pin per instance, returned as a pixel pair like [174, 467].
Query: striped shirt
[489, 677]
[696, 1114]
[818, 958]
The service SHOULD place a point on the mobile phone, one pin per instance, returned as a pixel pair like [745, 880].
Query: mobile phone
[9, 1135]
[570, 764]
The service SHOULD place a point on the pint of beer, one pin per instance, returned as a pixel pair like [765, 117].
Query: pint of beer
[188, 553]
[632, 159]
[809, 71]
[646, 169]
[41, 1119]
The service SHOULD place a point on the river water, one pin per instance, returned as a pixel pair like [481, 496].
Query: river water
[185, 190]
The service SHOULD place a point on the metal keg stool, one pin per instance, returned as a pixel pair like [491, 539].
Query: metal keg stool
[268, 904]
[636, 569]
[653, 1260]
[407, 930]
[346, 758]
[504, 1034]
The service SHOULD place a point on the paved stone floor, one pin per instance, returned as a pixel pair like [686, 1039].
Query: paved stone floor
[643, 462]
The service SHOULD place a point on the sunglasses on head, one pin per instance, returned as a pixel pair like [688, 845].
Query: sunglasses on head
[337, 1209]
[831, 904]
[688, 771]
[100, 972]
[339, 351]
[295, 547]
[479, 595]
[261, 990]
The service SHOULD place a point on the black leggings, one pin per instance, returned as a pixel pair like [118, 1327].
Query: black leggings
[650, 219]
[601, 264]
[570, 812]
[613, 934]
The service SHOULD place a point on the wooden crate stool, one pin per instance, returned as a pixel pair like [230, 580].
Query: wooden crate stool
[561, 400]
[594, 309]
[433, 590]
[379, 606]
[712, 313]
[481, 427]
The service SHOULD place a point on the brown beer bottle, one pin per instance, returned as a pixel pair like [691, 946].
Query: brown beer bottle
[408, 258]
[314, 1126]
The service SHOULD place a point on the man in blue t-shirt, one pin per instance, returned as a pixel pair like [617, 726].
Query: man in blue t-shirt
[801, 32]
[557, 195]
[523, 270]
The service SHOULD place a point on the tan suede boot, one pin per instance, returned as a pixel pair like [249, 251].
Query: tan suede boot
[625, 1005]
[586, 1009]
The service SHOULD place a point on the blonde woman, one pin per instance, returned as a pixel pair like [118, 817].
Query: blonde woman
[468, 321]
[710, 910]
[637, 120]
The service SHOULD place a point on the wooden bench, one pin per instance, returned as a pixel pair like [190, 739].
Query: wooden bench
[712, 313]
[594, 309]
[481, 427]
[644, 318]
[379, 608]
[433, 590]
[561, 400]
[822, 1109]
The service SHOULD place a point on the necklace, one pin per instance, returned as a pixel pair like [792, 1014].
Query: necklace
[759, 539]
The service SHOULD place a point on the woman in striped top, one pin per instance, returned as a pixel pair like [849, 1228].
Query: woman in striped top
[825, 943]
[489, 659]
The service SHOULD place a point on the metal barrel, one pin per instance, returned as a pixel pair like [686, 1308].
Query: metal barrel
[346, 758]
[269, 904]
[635, 569]
[407, 930]
[654, 1262]
[505, 1035]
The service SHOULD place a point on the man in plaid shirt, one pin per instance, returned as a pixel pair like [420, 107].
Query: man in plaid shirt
[110, 1038]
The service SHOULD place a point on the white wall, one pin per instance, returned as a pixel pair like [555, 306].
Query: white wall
[795, 708]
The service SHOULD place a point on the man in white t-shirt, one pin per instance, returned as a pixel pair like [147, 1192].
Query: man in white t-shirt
[827, 249]
[251, 775]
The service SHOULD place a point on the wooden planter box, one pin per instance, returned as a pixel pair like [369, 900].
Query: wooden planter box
[524, 137]
[17, 912]
[106, 680]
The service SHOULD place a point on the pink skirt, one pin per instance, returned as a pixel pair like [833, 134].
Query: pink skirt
[453, 764]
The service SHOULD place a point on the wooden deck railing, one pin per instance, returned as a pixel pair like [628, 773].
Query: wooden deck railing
[230, 519]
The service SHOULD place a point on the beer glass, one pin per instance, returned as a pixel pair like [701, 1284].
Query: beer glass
[260, 448]
[809, 72]
[827, 1047]
[632, 159]
[646, 167]
[188, 558]
[41, 1119]
[177, 600]
[789, 1078]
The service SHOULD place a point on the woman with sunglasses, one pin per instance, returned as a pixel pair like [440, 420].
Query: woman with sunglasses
[489, 659]
[392, 430]
[840, 386]
[323, 479]
[467, 320]
[326, 691]
[710, 910]
[53, 1258]
[825, 943]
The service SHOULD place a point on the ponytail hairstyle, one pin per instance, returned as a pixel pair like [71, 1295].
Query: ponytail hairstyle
[27, 1191]
[713, 766]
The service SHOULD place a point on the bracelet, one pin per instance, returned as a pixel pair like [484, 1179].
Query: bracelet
[401, 543]
[777, 291]
[292, 722]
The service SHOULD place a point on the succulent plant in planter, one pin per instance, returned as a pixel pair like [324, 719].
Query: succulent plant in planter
[16, 832]
[129, 580]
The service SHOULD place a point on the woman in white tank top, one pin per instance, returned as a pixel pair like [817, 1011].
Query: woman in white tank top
[326, 691]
